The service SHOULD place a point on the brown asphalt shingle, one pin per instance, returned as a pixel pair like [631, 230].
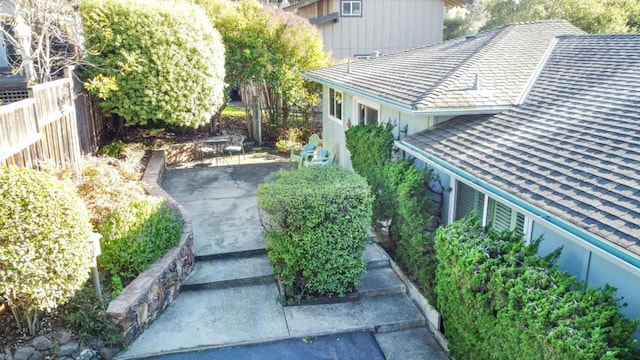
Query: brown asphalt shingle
[443, 75]
[572, 148]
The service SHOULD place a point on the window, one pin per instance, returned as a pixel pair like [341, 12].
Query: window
[352, 8]
[367, 115]
[502, 217]
[499, 215]
[468, 200]
[335, 104]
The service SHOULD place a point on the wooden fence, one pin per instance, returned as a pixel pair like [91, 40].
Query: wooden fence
[55, 124]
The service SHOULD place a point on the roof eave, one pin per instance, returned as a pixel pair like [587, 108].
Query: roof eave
[624, 256]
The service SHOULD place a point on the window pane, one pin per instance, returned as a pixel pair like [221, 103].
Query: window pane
[372, 115]
[520, 222]
[355, 8]
[332, 102]
[467, 200]
[346, 8]
[338, 106]
[499, 215]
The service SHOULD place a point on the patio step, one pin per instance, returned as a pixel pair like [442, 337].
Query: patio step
[229, 272]
[380, 282]
[375, 256]
[231, 255]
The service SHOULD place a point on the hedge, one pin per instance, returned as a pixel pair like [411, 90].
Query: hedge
[500, 300]
[316, 221]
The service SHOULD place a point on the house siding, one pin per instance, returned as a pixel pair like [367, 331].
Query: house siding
[333, 132]
[386, 26]
[585, 262]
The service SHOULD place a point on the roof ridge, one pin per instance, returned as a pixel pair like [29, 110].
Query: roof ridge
[431, 94]
[454, 75]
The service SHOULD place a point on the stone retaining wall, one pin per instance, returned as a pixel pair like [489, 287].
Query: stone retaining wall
[152, 291]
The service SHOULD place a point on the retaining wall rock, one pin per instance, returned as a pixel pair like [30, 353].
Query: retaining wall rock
[151, 292]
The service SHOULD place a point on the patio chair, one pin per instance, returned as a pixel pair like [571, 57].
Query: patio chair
[300, 154]
[236, 145]
[321, 157]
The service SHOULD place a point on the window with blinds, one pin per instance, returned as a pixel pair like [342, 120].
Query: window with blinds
[502, 217]
[467, 200]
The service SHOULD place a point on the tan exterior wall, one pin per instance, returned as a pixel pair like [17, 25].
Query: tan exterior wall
[386, 26]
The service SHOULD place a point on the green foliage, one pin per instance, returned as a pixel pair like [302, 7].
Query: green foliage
[136, 234]
[370, 147]
[454, 25]
[113, 149]
[233, 111]
[499, 300]
[85, 314]
[413, 229]
[316, 229]
[592, 16]
[292, 139]
[269, 48]
[159, 62]
[44, 248]
[136, 228]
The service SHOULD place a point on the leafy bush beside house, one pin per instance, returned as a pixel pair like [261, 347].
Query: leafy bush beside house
[316, 222]
[44, 248]
[499, 300]
[153, 61]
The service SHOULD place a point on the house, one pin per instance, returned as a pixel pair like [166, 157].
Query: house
[534, 130]
[370, 27]
[481, 74]
[564, 163]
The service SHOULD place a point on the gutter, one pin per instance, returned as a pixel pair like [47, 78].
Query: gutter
[477, 110]
[599, 243]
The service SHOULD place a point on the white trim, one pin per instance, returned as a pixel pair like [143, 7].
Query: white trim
[533, 218]
[368, 103]
[536, 72]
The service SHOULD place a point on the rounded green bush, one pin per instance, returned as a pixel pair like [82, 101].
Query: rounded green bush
[153, 61]
[44, 248]
[317, 220]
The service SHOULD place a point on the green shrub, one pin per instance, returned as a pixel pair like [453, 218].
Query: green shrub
[153, 61]
[499, 300]
[370, 147]
[113, 149]
[85, 314]
[316, 232]
[44, 247]
[414, 227]
[136, 234]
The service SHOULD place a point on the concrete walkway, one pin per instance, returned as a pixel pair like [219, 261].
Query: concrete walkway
[230, 299]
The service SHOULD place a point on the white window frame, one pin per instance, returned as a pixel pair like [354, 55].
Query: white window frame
[333, 105]
[356, 109]
[526, 230]
[350, 12]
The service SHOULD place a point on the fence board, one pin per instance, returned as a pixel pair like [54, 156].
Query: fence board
[18, 127]
[54, 124]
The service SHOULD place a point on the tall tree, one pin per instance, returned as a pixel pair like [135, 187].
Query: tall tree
[267, 50]
[592, 16]
[46, 36]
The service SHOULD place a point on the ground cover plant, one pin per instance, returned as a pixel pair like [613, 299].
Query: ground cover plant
[316, 222]
[500, 300]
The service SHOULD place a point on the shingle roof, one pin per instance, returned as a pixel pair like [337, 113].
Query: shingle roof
[572, 148]
[443, 75]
